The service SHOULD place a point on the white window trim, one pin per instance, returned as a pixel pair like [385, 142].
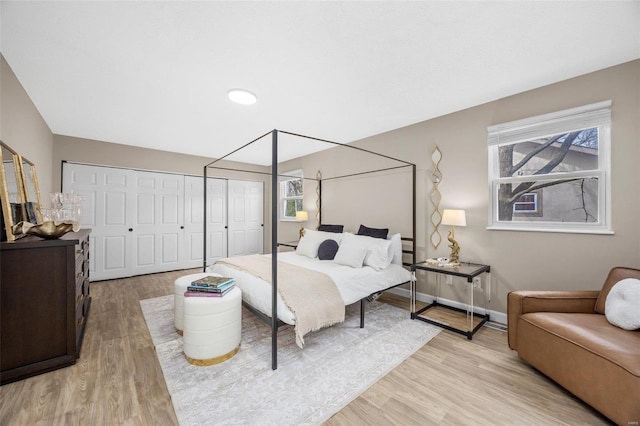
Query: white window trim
[593, 115]
[294, 174]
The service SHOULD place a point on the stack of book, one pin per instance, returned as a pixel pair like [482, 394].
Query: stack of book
[210, 286]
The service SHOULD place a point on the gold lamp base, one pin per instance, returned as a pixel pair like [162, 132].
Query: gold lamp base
[455, 249]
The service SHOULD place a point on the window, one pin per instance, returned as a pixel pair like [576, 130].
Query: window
[526, 204]
[291, 192]
[550, 172]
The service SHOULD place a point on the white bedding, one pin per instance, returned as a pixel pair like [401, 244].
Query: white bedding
[353, 283]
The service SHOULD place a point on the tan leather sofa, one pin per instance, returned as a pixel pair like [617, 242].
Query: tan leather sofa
[566, 336]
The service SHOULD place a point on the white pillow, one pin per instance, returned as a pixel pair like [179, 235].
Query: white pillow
[351, 252]
[379, 252]
[309, 243]
[307, 246]
[396, 248]
[622, 307]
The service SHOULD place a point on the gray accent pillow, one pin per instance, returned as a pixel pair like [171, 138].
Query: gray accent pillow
[327, 250]
[331, 228]
[373, 232]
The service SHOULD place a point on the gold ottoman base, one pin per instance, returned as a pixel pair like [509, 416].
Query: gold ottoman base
[212, 361]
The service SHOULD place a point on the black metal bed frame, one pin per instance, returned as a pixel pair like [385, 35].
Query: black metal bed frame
[273, 320]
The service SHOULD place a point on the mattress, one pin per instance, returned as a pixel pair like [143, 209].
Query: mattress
[353, 283]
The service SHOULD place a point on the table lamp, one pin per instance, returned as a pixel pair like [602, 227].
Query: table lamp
[302, 216]
[453, 218]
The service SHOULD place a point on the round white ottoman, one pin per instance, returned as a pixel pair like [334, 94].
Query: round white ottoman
[212, 327]
[179, 287]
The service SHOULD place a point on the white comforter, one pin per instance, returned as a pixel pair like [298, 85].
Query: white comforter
[353, 283]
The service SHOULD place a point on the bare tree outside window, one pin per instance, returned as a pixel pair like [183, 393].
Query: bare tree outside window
[291, 194]
[571, 198]
[550, 172]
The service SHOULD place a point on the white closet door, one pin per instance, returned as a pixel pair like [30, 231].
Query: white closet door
[217, 219]
[135, 217]
[147, 222]
[157, 222]
[246, 215]
[106, 210]
[194, 221]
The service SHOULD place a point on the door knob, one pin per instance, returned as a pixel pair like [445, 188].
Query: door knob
[130, 229]
[182, 227]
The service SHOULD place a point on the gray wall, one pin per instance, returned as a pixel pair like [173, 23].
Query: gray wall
[519, 260]
[23, 128]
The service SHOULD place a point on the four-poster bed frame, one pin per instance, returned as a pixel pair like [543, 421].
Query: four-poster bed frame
[273, 320]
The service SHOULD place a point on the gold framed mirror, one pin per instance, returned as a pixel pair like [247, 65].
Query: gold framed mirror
[12, 195]
[31, 191]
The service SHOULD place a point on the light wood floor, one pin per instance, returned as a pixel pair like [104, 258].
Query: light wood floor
[448, 381]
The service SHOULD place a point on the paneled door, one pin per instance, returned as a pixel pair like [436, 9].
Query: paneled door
[157, 222]
[194, 220]
[136, 219]
[146, 222]
[246, 216]
[107, 202]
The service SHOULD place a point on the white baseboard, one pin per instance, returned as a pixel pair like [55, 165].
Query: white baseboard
[494, 316]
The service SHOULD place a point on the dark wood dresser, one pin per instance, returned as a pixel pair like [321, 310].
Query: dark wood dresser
[44, 302]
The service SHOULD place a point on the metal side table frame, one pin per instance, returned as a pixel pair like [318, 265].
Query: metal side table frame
[464, 270]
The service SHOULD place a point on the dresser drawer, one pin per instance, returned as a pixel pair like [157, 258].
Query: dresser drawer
[79, 272]
[79, 319]
[80, 292]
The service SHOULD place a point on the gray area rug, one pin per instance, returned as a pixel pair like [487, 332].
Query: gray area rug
[310, 385]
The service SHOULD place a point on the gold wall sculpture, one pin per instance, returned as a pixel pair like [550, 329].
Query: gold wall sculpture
[318, 183]
[435, 197]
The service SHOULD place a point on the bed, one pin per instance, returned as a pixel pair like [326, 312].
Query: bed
[355, 284]
[356, 277]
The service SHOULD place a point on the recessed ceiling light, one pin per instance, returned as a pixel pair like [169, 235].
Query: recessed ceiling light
[241, 96]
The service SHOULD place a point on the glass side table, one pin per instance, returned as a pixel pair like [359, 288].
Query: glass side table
[464, 270]
[292, 244]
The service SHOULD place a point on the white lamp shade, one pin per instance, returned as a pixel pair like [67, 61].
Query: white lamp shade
[454, 217]
[302, 216]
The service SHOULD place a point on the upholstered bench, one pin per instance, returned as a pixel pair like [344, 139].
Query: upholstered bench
[212, 327]
[179, 288]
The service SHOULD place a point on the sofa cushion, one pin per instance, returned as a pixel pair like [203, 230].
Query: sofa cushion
[616, 274]
[593, 333]
[596, 361]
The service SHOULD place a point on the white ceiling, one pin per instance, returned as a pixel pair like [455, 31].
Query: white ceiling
[155, 74]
